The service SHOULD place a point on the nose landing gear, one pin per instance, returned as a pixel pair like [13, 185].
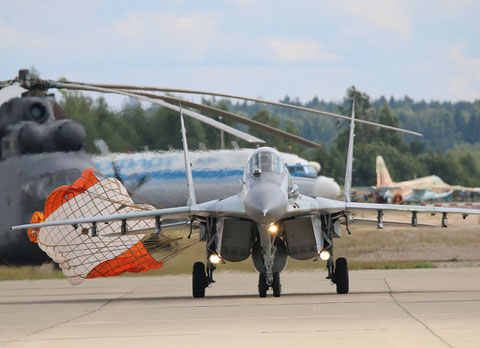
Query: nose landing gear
[263, 285]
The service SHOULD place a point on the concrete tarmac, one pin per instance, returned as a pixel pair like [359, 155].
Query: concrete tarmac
[385, 308]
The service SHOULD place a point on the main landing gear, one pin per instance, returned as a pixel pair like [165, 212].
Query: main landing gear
[340, 276]
[201, 279]
[263, 285]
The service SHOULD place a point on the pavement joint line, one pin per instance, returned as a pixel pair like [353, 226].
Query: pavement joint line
[413, 317]
[156, 299]
[213, 319]
[69, 320]
[180, 334]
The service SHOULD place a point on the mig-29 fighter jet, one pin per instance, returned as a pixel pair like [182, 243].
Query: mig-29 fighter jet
[94, 230]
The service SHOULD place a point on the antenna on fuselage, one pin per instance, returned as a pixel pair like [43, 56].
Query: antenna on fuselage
[348, 172]
[188, 165]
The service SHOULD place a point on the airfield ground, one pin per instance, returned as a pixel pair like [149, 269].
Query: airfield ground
[386, 308]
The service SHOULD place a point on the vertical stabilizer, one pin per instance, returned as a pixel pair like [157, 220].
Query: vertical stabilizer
[383, 176]
[188, 166]
[348, 172]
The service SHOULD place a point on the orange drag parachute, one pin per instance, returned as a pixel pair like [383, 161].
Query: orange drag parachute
[109, 253]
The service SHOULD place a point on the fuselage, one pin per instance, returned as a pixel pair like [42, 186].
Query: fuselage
[420, 189]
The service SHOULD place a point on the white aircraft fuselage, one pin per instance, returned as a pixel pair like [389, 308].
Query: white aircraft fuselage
[160, 176]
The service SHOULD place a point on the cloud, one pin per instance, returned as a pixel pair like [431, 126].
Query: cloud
[300, 51]
[241, 3]
[389, 16]
[16, 38]
[466, 82]
[190, 34]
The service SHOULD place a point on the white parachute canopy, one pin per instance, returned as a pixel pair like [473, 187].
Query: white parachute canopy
[85, 251]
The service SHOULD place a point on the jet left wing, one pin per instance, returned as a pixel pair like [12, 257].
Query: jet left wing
[353, 207]
[362, 207]
[308, 205]
[393, 223]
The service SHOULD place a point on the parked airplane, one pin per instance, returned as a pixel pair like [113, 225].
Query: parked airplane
[159, 176]
[93, 230]
[416, 190]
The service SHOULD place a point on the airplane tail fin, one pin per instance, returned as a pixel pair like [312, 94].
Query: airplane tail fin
[383, 176]
[192, 200]
[348, 172]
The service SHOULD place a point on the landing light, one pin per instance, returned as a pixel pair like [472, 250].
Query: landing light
[324, 255]
[214, 258]
[273, 228]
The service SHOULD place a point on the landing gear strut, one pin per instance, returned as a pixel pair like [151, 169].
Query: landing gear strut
[263, 285]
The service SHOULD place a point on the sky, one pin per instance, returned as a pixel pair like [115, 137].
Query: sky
[269, 49]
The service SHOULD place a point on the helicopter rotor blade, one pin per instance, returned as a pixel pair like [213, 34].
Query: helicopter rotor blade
[228, 115]
[28, 82]
[299, 108]
[234, 117]
[242, 135]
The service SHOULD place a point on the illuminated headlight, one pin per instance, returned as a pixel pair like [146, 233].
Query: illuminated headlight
[324, 255]
[273, 228]
[214, 258]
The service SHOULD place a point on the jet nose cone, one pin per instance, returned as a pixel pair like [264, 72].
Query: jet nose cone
[265, 203]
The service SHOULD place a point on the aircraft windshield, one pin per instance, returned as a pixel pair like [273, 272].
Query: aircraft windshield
[266, 162]
[302, 170]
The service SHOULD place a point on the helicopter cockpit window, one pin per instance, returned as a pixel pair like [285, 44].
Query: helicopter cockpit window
[266, 162]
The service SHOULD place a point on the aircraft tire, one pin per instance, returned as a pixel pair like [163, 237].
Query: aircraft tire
[199, 280]
[262, 285]
[341, 275]
[276, 286]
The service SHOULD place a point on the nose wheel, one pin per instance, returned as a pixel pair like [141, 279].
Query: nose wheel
[263, 285]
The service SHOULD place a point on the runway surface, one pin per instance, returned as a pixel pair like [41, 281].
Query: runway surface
[386, 308]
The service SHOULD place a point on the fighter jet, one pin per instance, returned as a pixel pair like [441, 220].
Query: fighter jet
[415, 190]
[268, 219]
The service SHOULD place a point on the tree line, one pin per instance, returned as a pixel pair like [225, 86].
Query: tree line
[450, 146]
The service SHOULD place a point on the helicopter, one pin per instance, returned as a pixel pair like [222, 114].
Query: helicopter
[39, 150]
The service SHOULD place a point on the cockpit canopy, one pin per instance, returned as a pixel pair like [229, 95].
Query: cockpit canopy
[266, 161]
